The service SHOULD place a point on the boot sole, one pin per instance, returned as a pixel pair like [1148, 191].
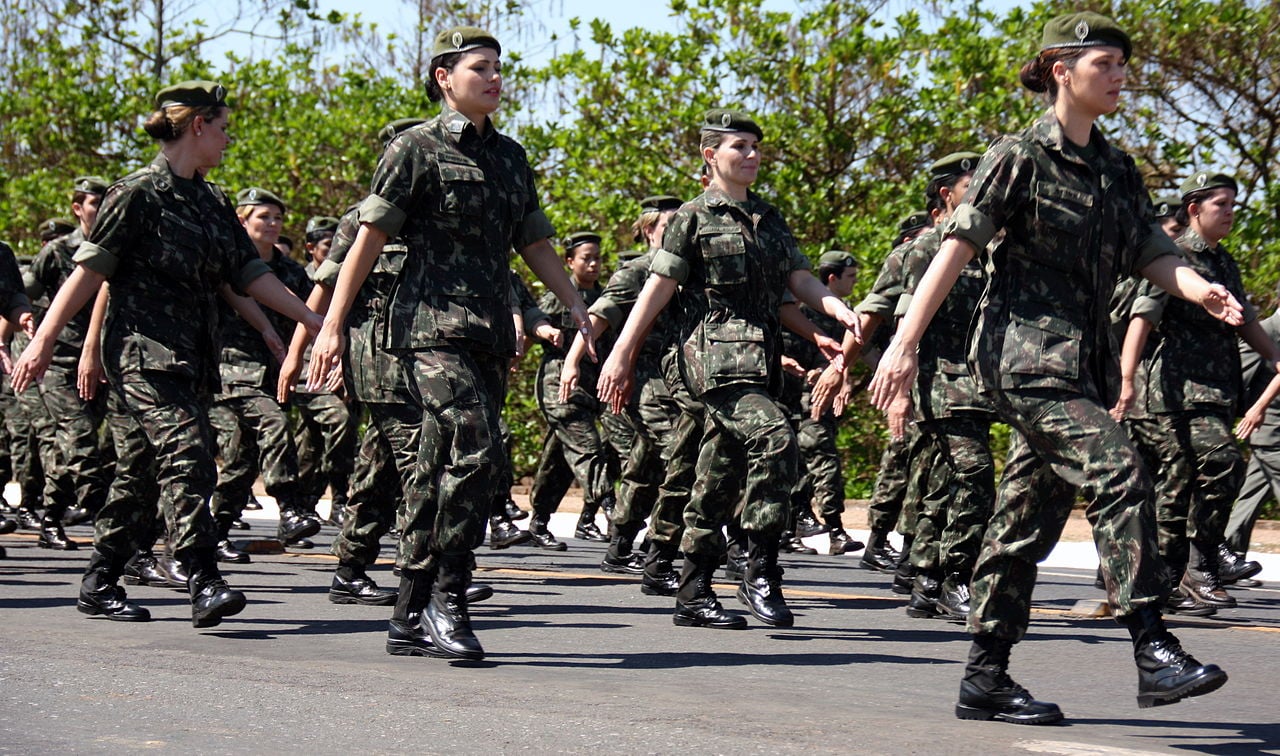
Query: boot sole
[524, 537]
[687, 622]
[615, 569]
[649, 590]
[231, 607]
[1202, 685]
[772, 622]
[310, 530]
[985, 715]
[346, 598]
[94, 611]
[396, 649]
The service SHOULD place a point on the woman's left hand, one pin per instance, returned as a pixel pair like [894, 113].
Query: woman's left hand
[894, 374]
[1219, 303]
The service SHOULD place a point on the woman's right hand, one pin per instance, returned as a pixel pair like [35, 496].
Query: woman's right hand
[1125, 402]
[894, 374]
[89, 374]
[326, 356]
[31, 366]
[290, 368]
[614, 384]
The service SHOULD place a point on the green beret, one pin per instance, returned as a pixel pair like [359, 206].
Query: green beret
[915, 221]
[196, 94]
[1085, 29]
[579, 238]
[1167, 204]
[1205, 180]
[55, 227]
[393, 129]
[321, 226]
[661, 202]
[462, 39]
[721, 119]
[954, 165]
[838, 257]
[258, 196]
[90, 185]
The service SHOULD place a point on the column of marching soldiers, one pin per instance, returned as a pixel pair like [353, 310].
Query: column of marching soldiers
[935, 485]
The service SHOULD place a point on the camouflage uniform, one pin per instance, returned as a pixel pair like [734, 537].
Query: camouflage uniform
[1192, 385]
[82, 475]
[961, 493]
[460, 201]
[821, 480]
[166, 244]
[1262, 475]
[253, 428]
[734, 261]
[18, 449]
[1043, 352]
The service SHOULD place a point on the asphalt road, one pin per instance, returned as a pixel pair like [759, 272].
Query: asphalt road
[581, 661]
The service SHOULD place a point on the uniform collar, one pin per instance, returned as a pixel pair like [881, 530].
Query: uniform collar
[459, 126]
[165, 180]
[1194, 241]
[717, 197]
[1048, 131]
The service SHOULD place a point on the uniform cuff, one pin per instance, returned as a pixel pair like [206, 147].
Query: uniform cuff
[1158, 244]
[876, 304]
[535, 228]
[969, 224]
[1150, 309]
[382, 215]
[97, 259]
[904, 304]
[672, 266]
[327, 274]
[609, 310]
[250, 272]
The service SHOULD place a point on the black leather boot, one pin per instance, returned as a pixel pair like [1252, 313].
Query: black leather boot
[904, 573]
[842, 542]
[227, 552]
[761, 589]
[806, 524]
[587, 530]
[352, 586]
[987, 692]
[99, 594]
[503, 534]
[735, 557]
[52, 536]
[607, 505]
[1201, 580]
[1233, 567]
[880, 554]
[175, 573]
[660, 577]
[696, 602]
[7, 526]
[296, 526]
[513, 511]
[1166, 673]
[77, 516]
[445, 618]
[143, 569]
[542, 537]
[28, 519]
[620, 557]
[211, 598]
[791, 544]
[406, 635]
[925, 590]
[953, 598]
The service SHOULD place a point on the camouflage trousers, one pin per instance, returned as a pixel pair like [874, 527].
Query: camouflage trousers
[378, 484]
[253, 436]
[131, 519]
[958, 498]
[81, 476]
[572, 436]
[666, 521]
[326, 436]
[1201, 470]
[34, 453]
[460, 463]
[619, 436]
[652, 419]
[174, 419]
[1064, 444]
[889, 497]
[745, 430]
[1261, 484]
[821, 475]
[6, 452]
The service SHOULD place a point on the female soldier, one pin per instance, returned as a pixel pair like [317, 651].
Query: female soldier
[1192, 389]
[1075, 216]
[460, 196]
[168, 241]
[734, 256]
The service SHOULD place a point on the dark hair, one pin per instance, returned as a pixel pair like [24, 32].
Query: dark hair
[1037, 75]
[1183, 215]
[78, 197]
[828, 271]
[172, 122]
[933, 192]
[447, 62]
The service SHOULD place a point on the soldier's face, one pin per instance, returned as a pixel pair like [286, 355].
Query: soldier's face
[655, 234]
[213, 138]
[87, 211]
[737, 159]
[474, 86]
[319, 251]
[1094, 84]
[842, 285]
[585, 264]
[263, 225]
[1214, 215]
[1172, 228]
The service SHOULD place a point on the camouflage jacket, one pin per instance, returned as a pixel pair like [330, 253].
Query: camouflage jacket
[1072, 227]
[733, 261]
[883, 298]
[46, 274]
[12, 291]
[1256, 374]
[373, 374]
[553, 357]
[1194, 362]
[245, 359]
[616, 303]
[166, 244]
[944, 385]
[460, 202]
[795, 390]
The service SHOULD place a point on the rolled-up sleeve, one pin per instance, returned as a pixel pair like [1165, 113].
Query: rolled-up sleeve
[999, 189]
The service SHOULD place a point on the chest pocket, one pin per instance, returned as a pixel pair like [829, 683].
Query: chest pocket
[461, 187]
[1062, 215]
[183, 244]
[724, 251]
